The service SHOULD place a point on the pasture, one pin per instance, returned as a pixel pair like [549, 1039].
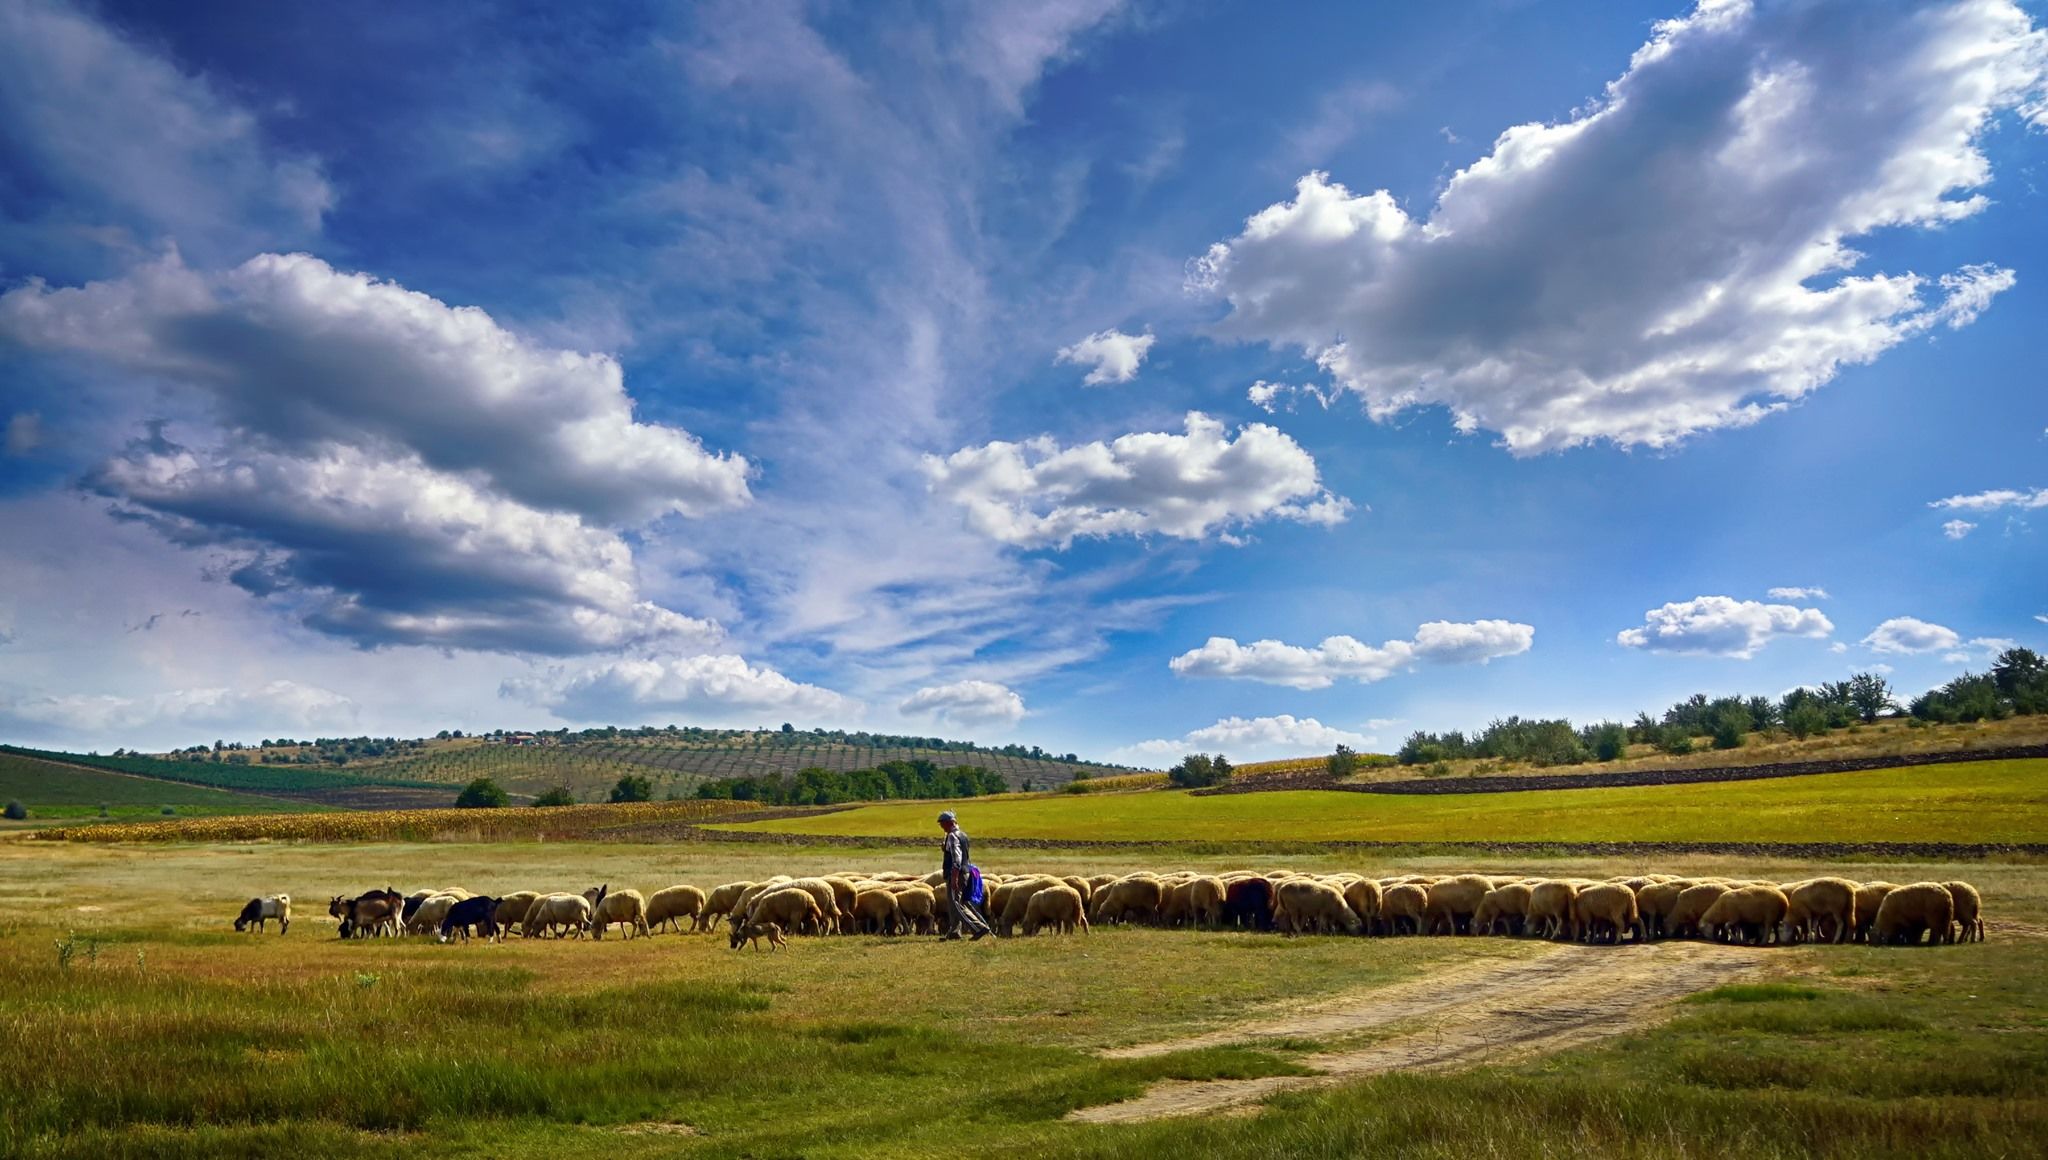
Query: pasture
[134, 1021]
[1990, 802]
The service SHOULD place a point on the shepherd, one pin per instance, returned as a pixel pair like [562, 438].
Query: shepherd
[963, 882]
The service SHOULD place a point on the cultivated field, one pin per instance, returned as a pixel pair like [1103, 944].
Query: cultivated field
[55, 792]
[134, 1022]
[1991, 802]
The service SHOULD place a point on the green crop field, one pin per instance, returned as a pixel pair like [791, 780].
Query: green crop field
[1975, 802]
[221, 775]
[56, 791]
[135, 1023]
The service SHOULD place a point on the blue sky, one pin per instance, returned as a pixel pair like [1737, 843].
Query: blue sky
[1114, 376]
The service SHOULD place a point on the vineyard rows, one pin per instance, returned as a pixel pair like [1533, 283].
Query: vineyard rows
[786, 759]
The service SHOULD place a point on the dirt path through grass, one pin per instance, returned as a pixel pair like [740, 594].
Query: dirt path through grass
[1479, 1014]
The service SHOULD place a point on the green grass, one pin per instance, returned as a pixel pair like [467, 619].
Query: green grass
[53, 791]
[221, 775]
[1977, 802]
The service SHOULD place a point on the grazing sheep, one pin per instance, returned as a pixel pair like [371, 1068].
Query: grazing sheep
[559, 915]
[1306, 905]
[754, 932]
[1752, 913]
[1008, 902]
[1823, 909]
[1869, 897]
[1248, 902]
[260, 911]
[1969, 907]
[1504, 910]
[843, 895]
[511, 912]
[721, 901]
[628, 908]
[367, 915]
[1058, 907]
[1550, 909]
[476, 912]
[1080, 885]
[1132, 899]
[1605, 912]
[1908, 912]
[1402, 906]
[1690, 908]
[876, 912]
[1453, 902]
[670, 905]
[753, 893]
[1363, 897]
[792, 908]
[828, 903]
[918, 907]
[426, 917]
[1655, 902]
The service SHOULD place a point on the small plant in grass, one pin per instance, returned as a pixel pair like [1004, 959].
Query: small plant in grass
[367, 979]
[72, 943]
[16, 812]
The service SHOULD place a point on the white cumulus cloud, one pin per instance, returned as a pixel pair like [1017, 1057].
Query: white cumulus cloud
[1796, 593]
[1957, 529]
[1248, 739]
[1678, 255]
[1111, 355]
[968, 703]
[1188, 486]
[1722, 626]
[1906, 634]
[710, 689]
[1991, 501]
[1347, 658]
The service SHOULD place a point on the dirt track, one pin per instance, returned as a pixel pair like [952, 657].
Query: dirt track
[1481, 1013]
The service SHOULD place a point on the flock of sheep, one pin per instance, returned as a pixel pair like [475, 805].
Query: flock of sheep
[1649, 906]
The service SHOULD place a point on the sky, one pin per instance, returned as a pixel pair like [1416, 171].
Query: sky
[1129, 377]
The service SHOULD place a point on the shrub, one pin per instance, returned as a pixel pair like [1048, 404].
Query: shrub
[483, 793]
[168, 811]
[1806, 719]
[1731, 722]
[1675, 741]
[633, 788]
[16, 812]
[1199, 769]
[1343, 762]
[558, 796]
[1609, 740]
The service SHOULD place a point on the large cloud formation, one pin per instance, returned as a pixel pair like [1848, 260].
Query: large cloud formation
[1038, 494]
[1722, 626]
[1676, 256]
[966, 703]
[402, 470]
[1347, 658]
[1249, 739]
[277, 703]
[722, 689]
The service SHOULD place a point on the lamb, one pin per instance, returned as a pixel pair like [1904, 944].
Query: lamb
[754, 932]
[558, 914]
[1058, 907]
[628, 908]
[1307, 905]
[670, 905]
[1820, 908]
[1504, 910]
[1402, 906]
[1753, 913]
[259, 911]
[1969, 912]
[1550, 909]
[876, 912]
[1605, 911]
[1907, 912]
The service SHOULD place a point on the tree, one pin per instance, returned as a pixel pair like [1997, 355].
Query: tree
[15, 811]
[558, 796]
[483, 793]
[1730, 723]
[1869, 695]
[1199, 769]
[2021, 675]
[1343, 762]
[633, 788]
[1609, 740]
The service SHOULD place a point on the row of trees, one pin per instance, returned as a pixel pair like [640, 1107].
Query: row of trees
[890, 781]
[484, 793]
[2016, 684]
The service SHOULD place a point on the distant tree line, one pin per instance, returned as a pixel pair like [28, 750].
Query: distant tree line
[2016, 684]
[890, 781]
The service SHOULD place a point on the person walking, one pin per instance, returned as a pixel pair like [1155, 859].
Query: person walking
[960, 876]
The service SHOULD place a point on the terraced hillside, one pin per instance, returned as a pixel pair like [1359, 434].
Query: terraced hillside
[53, 790]
[754, 755]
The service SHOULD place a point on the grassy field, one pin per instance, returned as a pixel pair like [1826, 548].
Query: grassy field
[159, 1032]
[57, 792]
[1979, 802]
